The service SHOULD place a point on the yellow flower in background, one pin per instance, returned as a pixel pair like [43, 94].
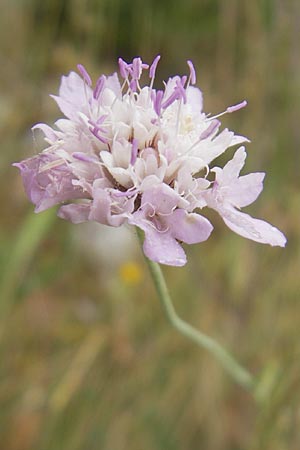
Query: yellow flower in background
[131, 273]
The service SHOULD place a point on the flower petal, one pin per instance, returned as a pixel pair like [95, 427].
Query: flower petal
[195, 99]
[254, 229]
[49, 133]
[162, 198]
[47, 181]
[163, 248]
[246, 189]
[75, 213]
[189, 228]
[231, 170]
[101, 209]
[73, 95]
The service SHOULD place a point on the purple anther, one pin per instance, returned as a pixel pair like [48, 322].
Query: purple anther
[84, 74]
[92, 123]
[192, 72]
[153, 95]
[133, 85]
[137, 68]
[153, 66]
[101, 119]
[84, 157]
[123, 66]
[234, 108]
[98, 122]
[99, 86]
[213, 126]
[95, 131]
[157, 102]
[183, 80]
[178, 93]
[100, 129]
[170, 100]
[134, 151]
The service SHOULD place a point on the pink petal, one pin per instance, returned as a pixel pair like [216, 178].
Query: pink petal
[163, 248]
[100, 208]
[73, 96]
[189, 228]
[49, 133]
[47, 181]
[163, 198]
[75, 213]
[254, 229]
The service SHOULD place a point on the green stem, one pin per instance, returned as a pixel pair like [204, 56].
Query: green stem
[240, 374]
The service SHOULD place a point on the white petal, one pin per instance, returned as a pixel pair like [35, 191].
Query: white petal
[246, 189]
[232, 169]
[107, 158]
[209, 150]
[237, 140]
[195, 99]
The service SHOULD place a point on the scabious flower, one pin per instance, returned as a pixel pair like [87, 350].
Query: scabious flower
[127, 153]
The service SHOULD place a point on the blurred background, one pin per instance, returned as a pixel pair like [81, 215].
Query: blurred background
[87, 359]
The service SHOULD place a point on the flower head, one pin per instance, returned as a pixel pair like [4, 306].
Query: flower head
[127, 153]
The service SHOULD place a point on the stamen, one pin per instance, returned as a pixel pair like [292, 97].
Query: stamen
[153, 66]
[85, 158]
[183, 80]
[51, 165]
[236, 107]
[84, 74]
[192, 72]
[157, 101]
[230, 110]
[178, 93]
[95, 132]
[170, 100]
[213, 126]
[95, 125]
[181, 90]
[87, 82]
[99, 87]
[133, 85]
[137, 68]
[100, 120]
[123, 66]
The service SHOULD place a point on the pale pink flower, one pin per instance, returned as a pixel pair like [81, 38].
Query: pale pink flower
[126, 153]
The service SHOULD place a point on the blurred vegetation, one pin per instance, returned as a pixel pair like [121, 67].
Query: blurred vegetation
[87, 358]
